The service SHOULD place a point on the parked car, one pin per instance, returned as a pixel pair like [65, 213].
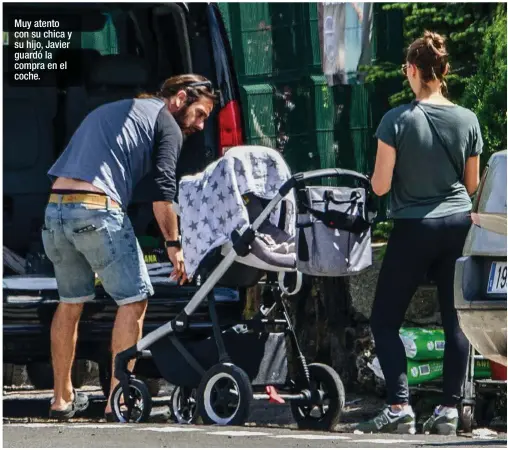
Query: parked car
[480, 275]
[120, 50]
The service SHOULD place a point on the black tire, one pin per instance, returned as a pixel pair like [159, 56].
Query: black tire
[183, 405]
[105, 378]
[466, 418]
[14, 375]
[326, 379]
[142, 402]
[81, 372]
[41, 373]
[153, 384]
[216, 404]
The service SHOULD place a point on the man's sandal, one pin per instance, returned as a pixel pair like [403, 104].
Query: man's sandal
[78, 404]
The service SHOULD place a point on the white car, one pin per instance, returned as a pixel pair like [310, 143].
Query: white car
[481, 274]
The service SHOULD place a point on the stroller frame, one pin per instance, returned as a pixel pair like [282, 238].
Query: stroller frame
[309, 388]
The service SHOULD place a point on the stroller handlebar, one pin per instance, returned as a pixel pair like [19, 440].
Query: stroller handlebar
[302, 177]
[329, 173]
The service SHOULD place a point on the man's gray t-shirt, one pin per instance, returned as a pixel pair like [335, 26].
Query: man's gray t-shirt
[425, 182]
[119, 143]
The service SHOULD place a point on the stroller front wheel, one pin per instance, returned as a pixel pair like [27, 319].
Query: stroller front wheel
[183, 405]
[224, 395]
[466, 416]
[326, 415]
[142, 402]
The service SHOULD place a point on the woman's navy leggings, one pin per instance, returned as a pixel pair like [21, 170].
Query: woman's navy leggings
[415, 247]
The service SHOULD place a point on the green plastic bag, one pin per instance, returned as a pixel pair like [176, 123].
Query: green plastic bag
[417, 371]
[423, 344]
[421, 371]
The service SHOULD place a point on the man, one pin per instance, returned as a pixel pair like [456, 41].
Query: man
[87, 230]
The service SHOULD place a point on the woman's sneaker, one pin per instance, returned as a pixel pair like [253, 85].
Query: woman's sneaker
[387, 421]
[444, 421]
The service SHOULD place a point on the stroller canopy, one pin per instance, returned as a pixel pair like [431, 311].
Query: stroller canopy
[212, 203]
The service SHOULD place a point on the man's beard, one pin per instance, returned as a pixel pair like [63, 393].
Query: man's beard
[182, 119]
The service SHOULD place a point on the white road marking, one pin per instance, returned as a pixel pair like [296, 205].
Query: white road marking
[68, 425]
[236, 433]
[170, 429]
[102, 425]
[312, 436]
[239, 433]
[389, 441]
[31, 425]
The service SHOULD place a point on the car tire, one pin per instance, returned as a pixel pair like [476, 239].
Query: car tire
[41, 374]
[14, 375]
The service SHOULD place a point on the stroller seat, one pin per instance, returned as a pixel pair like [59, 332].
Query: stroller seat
[267, 255]
[273, 249]
[226, 198]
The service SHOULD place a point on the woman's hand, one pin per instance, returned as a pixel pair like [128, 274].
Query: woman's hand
[175, 255]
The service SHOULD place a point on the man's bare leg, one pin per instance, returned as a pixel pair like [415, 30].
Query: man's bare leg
[127, 331]
[64, 334]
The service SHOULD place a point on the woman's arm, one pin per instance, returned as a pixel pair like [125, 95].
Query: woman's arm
[472, 174]
[383, 171]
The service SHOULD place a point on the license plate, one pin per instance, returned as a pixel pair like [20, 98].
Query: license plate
[497, 278]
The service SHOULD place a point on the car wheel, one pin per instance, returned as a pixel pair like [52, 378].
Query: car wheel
[41, 373]
[14, 375]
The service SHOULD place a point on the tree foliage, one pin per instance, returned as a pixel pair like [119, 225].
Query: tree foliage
[485, 91]
[464, 26]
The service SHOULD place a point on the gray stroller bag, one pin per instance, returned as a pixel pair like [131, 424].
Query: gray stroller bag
[333, 236]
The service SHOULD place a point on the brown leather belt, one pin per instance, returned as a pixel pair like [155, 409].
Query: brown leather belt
[100, 201]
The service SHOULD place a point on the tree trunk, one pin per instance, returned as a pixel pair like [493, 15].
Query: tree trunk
[326, 323]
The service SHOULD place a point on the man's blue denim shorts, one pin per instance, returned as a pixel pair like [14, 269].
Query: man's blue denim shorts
[81, 241]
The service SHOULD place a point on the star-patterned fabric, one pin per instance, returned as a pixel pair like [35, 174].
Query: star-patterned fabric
[211, 205]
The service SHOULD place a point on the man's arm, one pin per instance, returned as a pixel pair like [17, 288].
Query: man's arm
[168, 143]
[167, 146]
[167, 219]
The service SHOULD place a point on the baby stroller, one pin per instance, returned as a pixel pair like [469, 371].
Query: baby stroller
[236, 242]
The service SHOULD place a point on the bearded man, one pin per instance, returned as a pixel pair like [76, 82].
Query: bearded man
[87, 230]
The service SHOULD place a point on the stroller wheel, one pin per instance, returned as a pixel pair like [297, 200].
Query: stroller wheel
[142, 405]
[183, 405]
[326, 415]
[466, 418]
[224, 395]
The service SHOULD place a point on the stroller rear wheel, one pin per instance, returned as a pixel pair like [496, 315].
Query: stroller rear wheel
[142, 402]
[323, 416]
[183, 404]
[224, 395]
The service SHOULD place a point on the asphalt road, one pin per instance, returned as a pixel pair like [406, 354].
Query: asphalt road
[269, 426]
[166, 436]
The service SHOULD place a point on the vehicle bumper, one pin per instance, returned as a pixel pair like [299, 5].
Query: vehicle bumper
[482, 319]
[486, 330]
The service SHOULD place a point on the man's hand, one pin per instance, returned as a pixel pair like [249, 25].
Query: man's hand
[176, 257]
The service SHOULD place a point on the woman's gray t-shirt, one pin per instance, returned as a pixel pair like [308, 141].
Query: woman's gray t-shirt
[425, 182]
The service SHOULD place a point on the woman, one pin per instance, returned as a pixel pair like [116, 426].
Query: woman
[428, 157]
